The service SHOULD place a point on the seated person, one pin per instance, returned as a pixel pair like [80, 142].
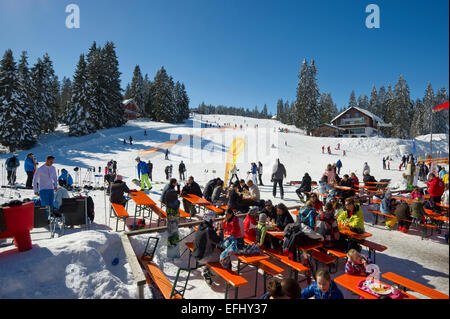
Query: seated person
[235, 199]
[260, 232]
[327, 225]
[322, 288]
[231, 225]
[218, 195]
[253, 197]
[118, 189]
[288, 288]
[243, 188]
[317, 204]
[305, 186]
[283, 216]
[307, 215]
[417, 210]
[191, 187]
[269, 210]
[416, 193]
[65, 176]
[356, 263]
[352, 216]
[323, 185]
[205, 245]
[60, 194]
[347, 182]
[250, 223]
[403, 214]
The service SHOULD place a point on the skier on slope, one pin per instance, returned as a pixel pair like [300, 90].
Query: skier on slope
[143, 169]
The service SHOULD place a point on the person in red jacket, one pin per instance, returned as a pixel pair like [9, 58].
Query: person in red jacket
[250, 223]
[436, 187]
[231, 224]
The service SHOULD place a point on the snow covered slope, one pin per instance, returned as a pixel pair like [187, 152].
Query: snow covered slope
[78, 264]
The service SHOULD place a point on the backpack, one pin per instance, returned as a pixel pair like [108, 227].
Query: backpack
[12, 162]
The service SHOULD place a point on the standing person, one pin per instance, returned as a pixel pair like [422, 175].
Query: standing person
[131, 140]
[343, 153]
[45, 182]
[384, 163]
[254, 171]
[410, 173]
[389, 164]
[143, 169]
[145, 132]
[329, 150]
[11, 167]
[167, 154]
[330, 174]
[436, 188]
[124, 141]
[278, 173]
[323, 149]
[339, 146]
[234, 174]
[403, 161]
[191, 187]
[338, 166]
[150, 170]
[181, 170]
[366, 167]
[260, 172]
[29, 169]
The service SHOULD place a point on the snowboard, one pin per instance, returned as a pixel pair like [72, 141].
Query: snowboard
[173, 236]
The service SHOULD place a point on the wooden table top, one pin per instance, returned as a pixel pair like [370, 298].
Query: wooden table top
[140, 198]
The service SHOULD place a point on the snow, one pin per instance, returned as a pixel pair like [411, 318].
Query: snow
[79, 263]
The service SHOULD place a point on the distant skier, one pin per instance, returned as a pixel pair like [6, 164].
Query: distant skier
[145, 132]
[181, 170]
[11, 166]
[339, 146]
[343, 153]
[260, 172]
[384, 163]
[168, 171]
[131, 140]
[29, 169]
[167, 154]
[124, 141]
[323, 149]
[329, 150]
[254, 171]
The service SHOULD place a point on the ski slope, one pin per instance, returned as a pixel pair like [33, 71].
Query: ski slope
[78, 264]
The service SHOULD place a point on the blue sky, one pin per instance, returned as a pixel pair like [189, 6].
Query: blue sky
[244, 53]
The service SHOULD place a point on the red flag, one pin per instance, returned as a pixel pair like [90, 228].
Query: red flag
[441, 107]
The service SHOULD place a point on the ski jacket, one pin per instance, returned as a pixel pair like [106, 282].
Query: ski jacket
[209, 188]
[327, 226]
[234, 200]
[232, 227]
[356, 269]
[436, 187]
[29, 164]
[118, 188]
[250, 224]
[356, 220]
[283, 220]
[142, 168]
[182, 168]
[314, 291]
[278, 172]
[339, 163]
[260, 233]
[254, 192]
[355, 181]
[260, 169]
[217, 194]
[402, 211]
[65, 176]
[330, 176]
[205, 240]
[307, 215]
[305, 186]
[417, 210]
[254, 169]
[385, 206]
[45, 176]
[10, 165]
[193, 188]
[165, 190]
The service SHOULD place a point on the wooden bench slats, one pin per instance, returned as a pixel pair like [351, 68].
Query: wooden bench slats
[119, 210]
[214, 209]
[337, 253]
[158, 277]
[270, 268]
[322, 257]
[285, 260]
[158, 211]
[183, 214]
[407, 283]
[372, 245]
[227, 274]
[392, 216]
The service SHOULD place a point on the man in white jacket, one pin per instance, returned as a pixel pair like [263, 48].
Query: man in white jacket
[45, 182]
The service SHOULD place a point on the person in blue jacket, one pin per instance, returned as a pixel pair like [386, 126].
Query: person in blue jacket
[338, 166]
[29, 169]
[143, 169]
[322, 288]
[11, 166]
[65, 176]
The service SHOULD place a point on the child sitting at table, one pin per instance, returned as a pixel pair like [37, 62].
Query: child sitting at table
[416, 193]
[261, 239]
[322, 288]
[356, 263]
[288, 288]
[327, 225]
[417, 210]
[250, 223]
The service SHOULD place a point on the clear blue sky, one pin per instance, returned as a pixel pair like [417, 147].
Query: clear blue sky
[242, 52]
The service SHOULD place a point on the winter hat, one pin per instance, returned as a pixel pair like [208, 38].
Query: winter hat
[138, 158]
[253, 211]
[118, 177]
[262, 218]
[269, 202]
[209, 216]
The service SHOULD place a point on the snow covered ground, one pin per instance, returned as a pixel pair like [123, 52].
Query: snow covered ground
[79, 263]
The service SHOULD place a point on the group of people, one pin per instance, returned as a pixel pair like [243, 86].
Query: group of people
[13, 162]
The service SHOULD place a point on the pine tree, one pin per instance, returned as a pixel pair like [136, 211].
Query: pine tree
[127, 92]
[280, 106]
[302, 96]
[381, 104]
[66, 95]
[77, 114]
[49, 94]
[373, 103]
[441, 118]
[352, 101]
[163, 98]
[265, 112]
[99, 113]
[185, 102]
[313, 99]
[403, 109]
[417, 126]
[14, 131]
[137, 90]
[389, 111]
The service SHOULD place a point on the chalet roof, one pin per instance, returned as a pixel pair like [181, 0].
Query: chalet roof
[332, 126]
[126, 102]
[369, 114]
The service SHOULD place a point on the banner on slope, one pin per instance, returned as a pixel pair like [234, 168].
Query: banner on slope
[441, 107]
[235, 150]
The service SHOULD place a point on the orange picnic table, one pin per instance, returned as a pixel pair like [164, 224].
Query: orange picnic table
[351, 282]
[143, 203]
[253, 260]
[346, 231]
[412, 285]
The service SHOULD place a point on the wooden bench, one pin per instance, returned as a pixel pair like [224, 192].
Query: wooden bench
[183, 214]
[230, 277]
[269, 269]
[215, 209]
[324, 258]
[158, 278]
[373, 247]
[292, 265]
[121, 213]
[412, 285]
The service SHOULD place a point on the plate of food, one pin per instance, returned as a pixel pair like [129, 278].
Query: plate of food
[380, 289]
